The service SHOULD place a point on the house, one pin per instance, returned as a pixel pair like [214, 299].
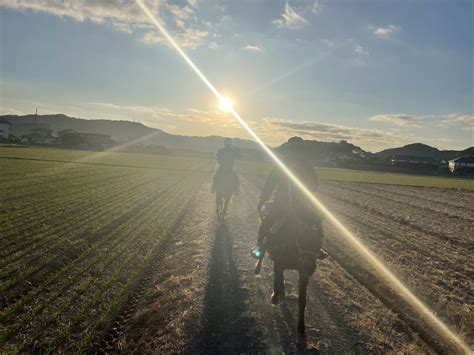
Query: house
[41, 136]
[411, 161]
[4, 129]
[462, 165]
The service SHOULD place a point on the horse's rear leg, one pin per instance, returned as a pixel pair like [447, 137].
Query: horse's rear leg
[226, 204]
[218, 205]
[278, 284]
[302, 287]
[306, 269]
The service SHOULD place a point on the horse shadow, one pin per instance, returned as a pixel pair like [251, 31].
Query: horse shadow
[285, 326]
[227, 325]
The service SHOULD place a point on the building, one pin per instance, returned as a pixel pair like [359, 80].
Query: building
[462, 165]
[4, 129]
[41, 136]
[410, 161]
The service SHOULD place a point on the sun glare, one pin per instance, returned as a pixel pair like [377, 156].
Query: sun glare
[226, 104]
[389, 277]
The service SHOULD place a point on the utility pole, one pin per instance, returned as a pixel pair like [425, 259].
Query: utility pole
[36, 117]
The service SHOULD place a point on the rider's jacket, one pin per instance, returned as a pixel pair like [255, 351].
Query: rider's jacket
[226, 158]
[289, 199]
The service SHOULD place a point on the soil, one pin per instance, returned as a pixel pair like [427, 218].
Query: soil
[201, 296]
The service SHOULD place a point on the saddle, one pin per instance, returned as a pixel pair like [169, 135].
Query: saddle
[287, 236]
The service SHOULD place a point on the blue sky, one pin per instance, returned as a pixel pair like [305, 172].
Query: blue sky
[377, 73]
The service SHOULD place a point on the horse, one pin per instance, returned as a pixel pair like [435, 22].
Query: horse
[225, 185]
[294, 245]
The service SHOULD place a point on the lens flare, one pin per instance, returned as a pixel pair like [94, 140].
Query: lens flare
[226, 104]
[424, 312]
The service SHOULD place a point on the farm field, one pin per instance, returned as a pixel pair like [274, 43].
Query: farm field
[324, 173]
[121, 252]
[75, 240]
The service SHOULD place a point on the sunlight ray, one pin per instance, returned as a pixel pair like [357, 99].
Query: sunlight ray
[388, 276]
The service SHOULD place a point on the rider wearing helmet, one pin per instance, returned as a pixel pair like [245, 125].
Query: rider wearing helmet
[289, 202]
[226, 157]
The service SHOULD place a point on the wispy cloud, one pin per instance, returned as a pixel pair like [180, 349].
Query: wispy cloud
[367, 138]
[190, 38]
[252, 48]
[384, 32]
[10, 111]
[290, 19]
[121, 14]
[272, 130]
[399, 119]
[359, 50]
[465, 122]
[361, 54]
[125, 16]
[213, 45]
[316, 8]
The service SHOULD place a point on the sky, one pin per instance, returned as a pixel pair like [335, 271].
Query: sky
[377, 73]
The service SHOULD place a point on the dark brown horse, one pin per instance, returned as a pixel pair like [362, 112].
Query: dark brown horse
[293, 245]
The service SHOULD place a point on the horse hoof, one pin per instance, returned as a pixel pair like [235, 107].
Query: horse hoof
[301, 329]
[275, 298]
[300, 340]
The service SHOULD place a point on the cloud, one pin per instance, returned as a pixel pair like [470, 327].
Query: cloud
[361, 51]
[465, 122]
[290, 19]
[193, 3]
[159, 116]
[316, 8]
[330, 44]
[273, 131]
[125, 16]
[361, 55]
[252, 48]
[10, 111]
[213, 45]
[399, 120]
[119, 13]
[384, 32]
[367, 138]
[189, 38]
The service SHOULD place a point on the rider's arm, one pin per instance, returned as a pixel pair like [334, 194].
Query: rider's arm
[268, 188]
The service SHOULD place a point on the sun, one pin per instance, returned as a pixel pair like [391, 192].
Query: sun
[226, 104]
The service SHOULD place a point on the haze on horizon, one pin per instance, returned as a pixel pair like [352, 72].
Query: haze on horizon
[378, 74]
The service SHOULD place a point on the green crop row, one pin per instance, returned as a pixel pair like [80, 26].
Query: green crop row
[73, 252]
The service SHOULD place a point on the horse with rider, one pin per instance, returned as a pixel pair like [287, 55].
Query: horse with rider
[291, 228]
[226, 181]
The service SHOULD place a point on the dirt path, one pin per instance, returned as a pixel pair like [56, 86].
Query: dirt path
[202, 297]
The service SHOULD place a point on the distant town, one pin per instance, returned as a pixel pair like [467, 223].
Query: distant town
[60, 131]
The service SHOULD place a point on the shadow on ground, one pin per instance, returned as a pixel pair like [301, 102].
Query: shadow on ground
[227, 325]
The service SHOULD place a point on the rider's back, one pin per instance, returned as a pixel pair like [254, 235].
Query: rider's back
[226, 157]
[288, 198]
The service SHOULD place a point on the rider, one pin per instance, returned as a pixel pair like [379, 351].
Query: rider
[226, 157]
[289, 201]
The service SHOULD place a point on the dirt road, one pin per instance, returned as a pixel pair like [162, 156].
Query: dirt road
[201, 296]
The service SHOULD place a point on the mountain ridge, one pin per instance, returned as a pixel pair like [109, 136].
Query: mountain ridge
[424, 150]
[126, 131]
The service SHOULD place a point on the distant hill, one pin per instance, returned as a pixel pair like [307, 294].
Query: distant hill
[122, 131]
[325, 152]
[423, 150]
